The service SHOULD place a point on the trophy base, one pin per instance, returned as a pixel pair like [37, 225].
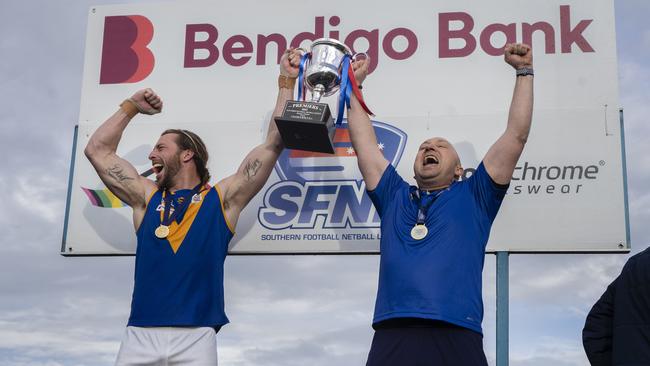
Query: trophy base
[307, 126]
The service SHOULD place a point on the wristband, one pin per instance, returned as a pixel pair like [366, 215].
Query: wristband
[525, 71]
[129, 107]
[286, 82]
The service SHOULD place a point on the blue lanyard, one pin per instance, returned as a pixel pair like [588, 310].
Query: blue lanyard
[182, 202]
[423, 210]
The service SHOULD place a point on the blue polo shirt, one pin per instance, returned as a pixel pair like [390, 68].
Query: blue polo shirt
[438, 277]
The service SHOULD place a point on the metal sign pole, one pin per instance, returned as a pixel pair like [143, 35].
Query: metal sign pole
[502, 308]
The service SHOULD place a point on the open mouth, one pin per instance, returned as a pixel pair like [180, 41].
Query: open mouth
[430, 160]
[157, 168]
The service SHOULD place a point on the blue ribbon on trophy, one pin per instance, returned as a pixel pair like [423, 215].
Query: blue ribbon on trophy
[346, 88]
[301, 75]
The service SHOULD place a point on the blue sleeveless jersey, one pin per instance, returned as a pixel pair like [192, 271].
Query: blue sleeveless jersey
[440, 276]
[179, 279]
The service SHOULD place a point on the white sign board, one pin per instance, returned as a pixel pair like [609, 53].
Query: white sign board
[436, 71]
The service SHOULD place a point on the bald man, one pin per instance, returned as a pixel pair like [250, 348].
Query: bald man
[429, 305]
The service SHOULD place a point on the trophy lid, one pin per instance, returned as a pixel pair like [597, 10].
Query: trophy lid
[332, 42]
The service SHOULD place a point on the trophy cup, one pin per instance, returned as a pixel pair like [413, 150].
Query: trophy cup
[310, 125]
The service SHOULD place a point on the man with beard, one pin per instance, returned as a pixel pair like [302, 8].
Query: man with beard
[183, 228]
[429, 305]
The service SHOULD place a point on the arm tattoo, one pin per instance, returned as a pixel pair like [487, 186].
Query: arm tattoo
[251, 169]
[117, 172]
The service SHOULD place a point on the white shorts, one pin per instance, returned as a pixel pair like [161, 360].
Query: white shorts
[168, 346]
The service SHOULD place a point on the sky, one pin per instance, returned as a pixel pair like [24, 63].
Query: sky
[285, 310]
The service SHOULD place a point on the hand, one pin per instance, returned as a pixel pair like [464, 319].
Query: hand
[518, 55]
[290, 62]
[360, 68]
[147, 101]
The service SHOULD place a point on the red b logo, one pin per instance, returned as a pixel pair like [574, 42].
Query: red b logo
[125, 56]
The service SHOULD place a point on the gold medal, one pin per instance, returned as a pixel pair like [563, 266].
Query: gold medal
[419, 232]
[162, 231]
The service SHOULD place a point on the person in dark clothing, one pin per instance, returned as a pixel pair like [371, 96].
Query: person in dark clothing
[617, 329]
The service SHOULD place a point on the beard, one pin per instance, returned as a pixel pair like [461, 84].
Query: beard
[172, 167]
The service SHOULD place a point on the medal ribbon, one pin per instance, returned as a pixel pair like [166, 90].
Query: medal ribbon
[301, 75]
[423, 210]
[179, 212]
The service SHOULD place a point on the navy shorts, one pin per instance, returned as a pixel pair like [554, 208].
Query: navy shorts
[421, 342]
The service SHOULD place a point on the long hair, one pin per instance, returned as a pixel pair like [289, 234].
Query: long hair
[188, 140]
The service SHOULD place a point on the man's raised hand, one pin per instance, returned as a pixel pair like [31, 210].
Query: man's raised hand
[290, 62]
[147, 101]
[518, 55]
[360, 68]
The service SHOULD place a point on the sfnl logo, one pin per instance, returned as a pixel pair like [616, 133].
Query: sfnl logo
[125, 56]
[323, 190]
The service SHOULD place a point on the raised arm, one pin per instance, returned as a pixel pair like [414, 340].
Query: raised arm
[369, 157]
[239, 188]
[501, 159]
[119, 175]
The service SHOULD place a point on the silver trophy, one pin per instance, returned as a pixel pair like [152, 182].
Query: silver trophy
[324, 70]
[310, 125]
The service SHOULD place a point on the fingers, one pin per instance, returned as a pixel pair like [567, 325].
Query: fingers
[360, 65]
[147, 101]
[293, 56]
[518, 49]
[288, 55]
[156, 103]
[153, 99]
[518, 55]
[508, 49]
[360, 69]
[290, 62]
[521, 49]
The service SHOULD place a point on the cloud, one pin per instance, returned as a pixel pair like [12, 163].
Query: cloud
[39, 195]
[537, 278]
[646, 39]
[549, 351]
[302, 310]
[344, 346]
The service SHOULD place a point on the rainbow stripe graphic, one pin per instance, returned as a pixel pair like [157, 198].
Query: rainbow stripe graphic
[103, 198]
